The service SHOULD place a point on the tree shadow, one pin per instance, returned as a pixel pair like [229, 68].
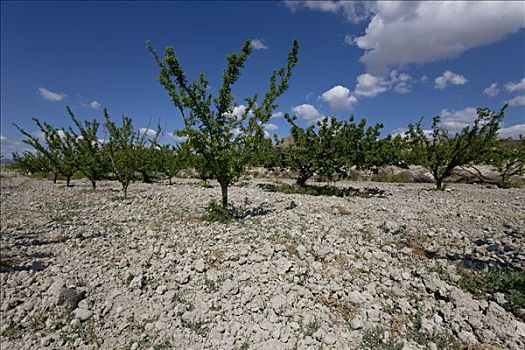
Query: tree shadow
[28, 262]
[326, 190]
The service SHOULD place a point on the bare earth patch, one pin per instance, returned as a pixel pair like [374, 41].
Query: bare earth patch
[85, 269]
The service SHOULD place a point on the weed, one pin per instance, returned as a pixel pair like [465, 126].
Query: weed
[165, 345]
[373, 339]
[216, 213]
[14, 331]
[509, 281]
[340, 309]
[198, 328]
[211, 285]
[443, 341]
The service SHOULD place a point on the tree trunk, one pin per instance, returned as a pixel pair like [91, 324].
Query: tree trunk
[125, 187]
[55, 178]
[68, 180]
[302, 178]
[94, 184]
[503, 180]
[439, 184]
[170, 179]
[224, 191]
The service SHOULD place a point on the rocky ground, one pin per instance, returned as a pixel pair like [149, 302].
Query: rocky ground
[83, 269]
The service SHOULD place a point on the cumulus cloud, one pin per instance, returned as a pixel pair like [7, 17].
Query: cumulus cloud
[339, 98]
[370, 86]
[512, 86]
[306, 111]
[277, 115]
[354, 11]
[408, 32]
[50, 95]
[95, 105]
[492, 90]
[517, 101]
[455, 121]
[148, 132]
[514, 132]
[449, 77]
[257, 44]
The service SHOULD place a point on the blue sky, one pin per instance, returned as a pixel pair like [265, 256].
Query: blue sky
[387, 62]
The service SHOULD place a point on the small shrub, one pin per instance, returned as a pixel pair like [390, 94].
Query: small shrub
[509, 281]
[215, 212]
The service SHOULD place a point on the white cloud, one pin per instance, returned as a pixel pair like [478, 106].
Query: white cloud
[514, 131]
[408, 32]
[449, 77]
[176, 138]
[239, 111]
[339, 98]
[271, 126]
[517, 101]
[306, 111]
[147, 132]
[512, 86]
[455, 121]
[50, 95]
[370, 86]
[257, 44]
[95, 105]
[277, 115]
[423, 78]
[9, 146]
[492, 90]
[402, 88]
[354, 11]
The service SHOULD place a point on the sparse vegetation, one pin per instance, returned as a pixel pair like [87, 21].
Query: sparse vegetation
[508, 281]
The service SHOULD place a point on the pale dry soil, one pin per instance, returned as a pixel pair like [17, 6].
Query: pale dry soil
[84, 269]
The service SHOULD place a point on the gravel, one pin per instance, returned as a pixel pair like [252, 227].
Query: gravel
[87, 269]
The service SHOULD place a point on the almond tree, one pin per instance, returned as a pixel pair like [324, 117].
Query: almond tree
[147, 154]
[508, 161]
[59, 149]
[442, 152]
[224, 140]
[31, 163]
[170, 160]
[90, 160]
[121, 150]
[314, 150]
